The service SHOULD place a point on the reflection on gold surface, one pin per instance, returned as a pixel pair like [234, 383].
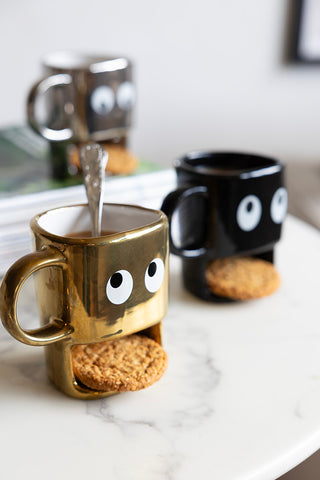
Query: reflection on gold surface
[72, 294]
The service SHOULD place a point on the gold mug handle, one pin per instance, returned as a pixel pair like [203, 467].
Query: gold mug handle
[14, 279]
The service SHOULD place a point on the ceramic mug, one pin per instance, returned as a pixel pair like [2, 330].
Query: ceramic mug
[90, 289]
[84, 97]
[226, 204]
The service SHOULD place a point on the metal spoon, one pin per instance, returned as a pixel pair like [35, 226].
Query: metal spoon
[93, 161]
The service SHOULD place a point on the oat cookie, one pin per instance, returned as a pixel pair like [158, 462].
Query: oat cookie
[120, 161]
[124, 364]
[243, 278]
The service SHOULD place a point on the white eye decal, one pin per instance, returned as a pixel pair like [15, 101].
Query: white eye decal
[249, 213]
[279, 204]
[102, 100]
[126, 95]
[119, 287]
[154, 275]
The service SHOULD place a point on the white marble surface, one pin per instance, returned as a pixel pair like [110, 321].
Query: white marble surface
[240, 398]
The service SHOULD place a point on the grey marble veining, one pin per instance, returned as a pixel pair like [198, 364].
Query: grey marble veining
[237, 374]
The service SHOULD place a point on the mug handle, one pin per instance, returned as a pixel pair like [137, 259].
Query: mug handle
[14, 279]
[40, 89]
[169, 205]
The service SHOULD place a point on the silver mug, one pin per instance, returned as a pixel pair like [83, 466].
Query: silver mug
[82, 97]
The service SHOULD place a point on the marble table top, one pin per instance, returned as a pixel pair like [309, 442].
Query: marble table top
[240, 398]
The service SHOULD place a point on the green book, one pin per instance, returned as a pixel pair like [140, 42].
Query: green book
[25, 164]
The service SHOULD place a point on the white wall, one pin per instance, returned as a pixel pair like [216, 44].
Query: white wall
[209, 73]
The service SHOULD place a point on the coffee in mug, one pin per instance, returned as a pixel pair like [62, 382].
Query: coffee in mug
[93, 289]
[226, 205]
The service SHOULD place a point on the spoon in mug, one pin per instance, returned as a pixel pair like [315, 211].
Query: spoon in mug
[93, 161]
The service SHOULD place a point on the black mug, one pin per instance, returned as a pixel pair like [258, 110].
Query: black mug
[226, 204]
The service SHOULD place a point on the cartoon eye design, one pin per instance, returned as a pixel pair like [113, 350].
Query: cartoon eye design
[279, 205]
[249, 213]
[153, 277]
[126, 95]
[119, 287]
[102, 100]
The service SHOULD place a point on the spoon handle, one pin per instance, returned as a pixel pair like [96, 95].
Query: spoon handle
[93, 161]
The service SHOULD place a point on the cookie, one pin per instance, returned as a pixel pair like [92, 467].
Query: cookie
[120, 160]
[124, 364]
[243, 278]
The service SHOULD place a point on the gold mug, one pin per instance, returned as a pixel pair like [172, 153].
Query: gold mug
[79, 302]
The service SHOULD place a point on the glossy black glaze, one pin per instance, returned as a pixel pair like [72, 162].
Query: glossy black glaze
[206, 206]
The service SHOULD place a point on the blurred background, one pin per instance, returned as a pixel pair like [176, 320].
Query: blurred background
[209, 74]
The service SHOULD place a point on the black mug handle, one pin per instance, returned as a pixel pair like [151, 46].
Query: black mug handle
[170, 204]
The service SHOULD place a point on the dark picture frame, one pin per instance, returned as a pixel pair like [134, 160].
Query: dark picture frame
[306, 42]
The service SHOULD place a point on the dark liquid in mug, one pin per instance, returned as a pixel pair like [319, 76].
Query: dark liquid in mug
[224, 163]
[88, 234]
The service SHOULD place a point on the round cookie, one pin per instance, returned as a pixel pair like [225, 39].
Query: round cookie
[120, 160]
[243, 278]
[124, 364]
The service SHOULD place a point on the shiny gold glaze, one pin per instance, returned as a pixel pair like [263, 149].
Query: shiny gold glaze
[71, 291]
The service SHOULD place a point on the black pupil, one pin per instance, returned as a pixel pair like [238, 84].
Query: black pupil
[116, 280]
[249, 206]
[152, 269]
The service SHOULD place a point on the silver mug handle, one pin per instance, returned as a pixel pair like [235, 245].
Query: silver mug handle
[40, 89]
